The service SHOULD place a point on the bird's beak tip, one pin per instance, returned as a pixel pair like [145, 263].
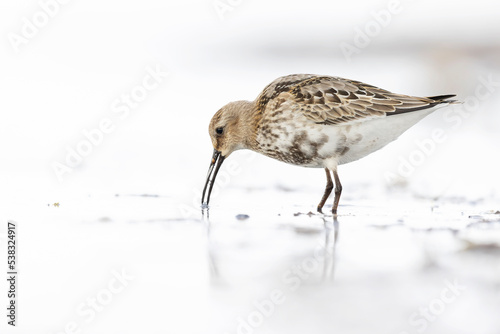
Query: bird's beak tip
[215, 164]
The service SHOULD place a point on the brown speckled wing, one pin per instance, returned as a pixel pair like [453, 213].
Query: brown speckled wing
[334, 100]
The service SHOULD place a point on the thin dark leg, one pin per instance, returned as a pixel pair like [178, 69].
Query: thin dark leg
[338, 191]
[328, 190]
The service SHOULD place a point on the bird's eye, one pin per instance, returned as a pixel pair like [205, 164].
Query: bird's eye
[219, 131]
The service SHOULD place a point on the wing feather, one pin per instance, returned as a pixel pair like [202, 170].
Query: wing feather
[335, 100]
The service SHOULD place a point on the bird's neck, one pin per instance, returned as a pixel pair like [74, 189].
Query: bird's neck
[248, 124]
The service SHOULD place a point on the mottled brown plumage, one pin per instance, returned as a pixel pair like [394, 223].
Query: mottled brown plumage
[334, 100]
[315, 121]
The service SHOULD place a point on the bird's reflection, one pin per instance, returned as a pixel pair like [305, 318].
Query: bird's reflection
[212, 264]
[331, 237]
[326, 259]
[206, 220]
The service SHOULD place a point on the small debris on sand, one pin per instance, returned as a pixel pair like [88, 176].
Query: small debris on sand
[310, 214]
[242, 217]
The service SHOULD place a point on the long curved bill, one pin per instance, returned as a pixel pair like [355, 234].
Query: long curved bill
[217, 160]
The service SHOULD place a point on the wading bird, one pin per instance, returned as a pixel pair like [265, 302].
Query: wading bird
[315, 121]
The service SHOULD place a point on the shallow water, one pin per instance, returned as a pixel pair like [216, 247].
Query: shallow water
[380, 267]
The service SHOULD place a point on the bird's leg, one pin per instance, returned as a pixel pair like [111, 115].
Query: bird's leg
[338, 191]
[328, 190]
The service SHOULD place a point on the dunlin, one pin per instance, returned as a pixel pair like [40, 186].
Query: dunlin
[315, 121]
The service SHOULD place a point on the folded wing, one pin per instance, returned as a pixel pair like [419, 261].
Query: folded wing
[334, 100]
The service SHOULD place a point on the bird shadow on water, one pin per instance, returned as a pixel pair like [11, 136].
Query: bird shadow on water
[313, 261]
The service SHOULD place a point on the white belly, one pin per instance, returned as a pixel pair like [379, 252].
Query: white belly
[300, 142]
[367, 137]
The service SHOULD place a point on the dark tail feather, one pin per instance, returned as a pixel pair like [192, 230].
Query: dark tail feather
[443, 98]
[436, 100]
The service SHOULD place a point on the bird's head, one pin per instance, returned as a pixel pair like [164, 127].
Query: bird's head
[230, 130]
[228, 127]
